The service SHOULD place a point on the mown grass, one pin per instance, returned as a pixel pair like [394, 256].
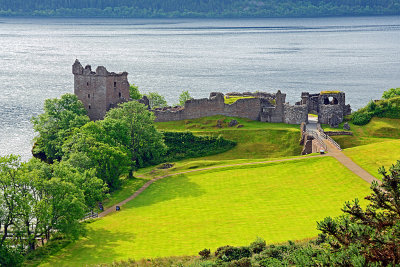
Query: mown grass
[183, 214]
[377, 130]
[254, 140]
[371, 157]
[232, 99]
[128, 188]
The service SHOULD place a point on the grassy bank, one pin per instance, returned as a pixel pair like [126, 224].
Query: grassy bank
[371, 157]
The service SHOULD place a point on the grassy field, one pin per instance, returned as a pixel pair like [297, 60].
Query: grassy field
[377, 130]
[372, 156]
[183, 214]
[232, 99]
[255, 140]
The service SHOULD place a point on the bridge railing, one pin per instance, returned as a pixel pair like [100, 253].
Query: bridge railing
[324, 135]
[90, 215]
[316, 136]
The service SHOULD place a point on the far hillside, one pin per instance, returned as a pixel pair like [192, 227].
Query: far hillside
[192, 8]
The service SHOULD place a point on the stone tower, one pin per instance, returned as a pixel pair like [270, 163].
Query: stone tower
[100, 90]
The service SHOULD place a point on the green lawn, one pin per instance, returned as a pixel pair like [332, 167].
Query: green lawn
[232, 99]
[377, 130]
[372, 156]
[255, 140]
[183, 214]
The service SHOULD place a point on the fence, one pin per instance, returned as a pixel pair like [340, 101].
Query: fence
[316, 136]
[90, 215]
[325, 136]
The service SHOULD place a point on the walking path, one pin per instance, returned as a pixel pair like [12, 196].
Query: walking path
[335, 152]
[312, 126]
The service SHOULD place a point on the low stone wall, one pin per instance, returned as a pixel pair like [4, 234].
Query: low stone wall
[334, 133]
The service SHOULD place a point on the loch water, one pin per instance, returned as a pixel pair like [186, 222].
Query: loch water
[358, 55]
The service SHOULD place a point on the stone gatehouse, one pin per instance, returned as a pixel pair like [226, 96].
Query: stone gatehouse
[101, 90]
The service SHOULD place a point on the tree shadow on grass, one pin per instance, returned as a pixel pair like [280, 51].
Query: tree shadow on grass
[169, 188]
[99, 246]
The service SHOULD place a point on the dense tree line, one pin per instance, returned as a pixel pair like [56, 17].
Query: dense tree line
[198, 8]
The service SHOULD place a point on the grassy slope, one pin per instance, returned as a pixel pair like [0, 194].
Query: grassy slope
[255, 140]
[372, 156]
[183, 214]
[377, 130]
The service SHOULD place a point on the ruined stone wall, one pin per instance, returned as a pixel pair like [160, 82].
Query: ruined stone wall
[327, 112]
[197, 108]
[295, 114]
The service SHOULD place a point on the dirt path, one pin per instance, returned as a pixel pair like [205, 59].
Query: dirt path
[351, 165]
[112, 209]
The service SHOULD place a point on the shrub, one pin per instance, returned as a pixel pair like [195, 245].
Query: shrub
[258, 245]
[205, 253]
[183, 145]
[229, 253]
[243, 262]
[10, 257]
[393, 92]
[361, 118]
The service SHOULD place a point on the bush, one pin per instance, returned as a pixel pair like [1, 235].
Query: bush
[183, 145]
[229, 253]
[205, 253]
[361, 118]
[243, 262]
[258, 245]
[393, 92]
[10, 257]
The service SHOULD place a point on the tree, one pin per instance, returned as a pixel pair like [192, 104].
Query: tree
[134, 92]
[139, 134]
[183, 97]
[36, 199]
[156, 100]
[59, 120]
[370, 235]
[99, 146]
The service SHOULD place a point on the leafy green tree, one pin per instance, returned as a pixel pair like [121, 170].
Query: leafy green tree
[156, 100]
[60, 118]
[140, 137]
[183, 97]
[99, 146]
[36, 199]
[393, 92]
[372, 235]
[134, 92]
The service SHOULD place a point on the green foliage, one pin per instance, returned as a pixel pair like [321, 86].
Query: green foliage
[183, 97]
[388, 108]
[10, 257]
[206, 8]
[393, 92]
[181, 145]
[156, 100]
[136, 132]
[205, 253]
[59, 120]
[98, 146]
[360, 118]
[134, 92]
[232, 99]
[258, 245]
[371, 235]
[229, 253]
[37, 199]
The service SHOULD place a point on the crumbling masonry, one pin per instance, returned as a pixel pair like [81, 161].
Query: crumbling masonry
[101, 90]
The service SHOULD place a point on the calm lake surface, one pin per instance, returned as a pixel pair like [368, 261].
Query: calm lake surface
[360, 56]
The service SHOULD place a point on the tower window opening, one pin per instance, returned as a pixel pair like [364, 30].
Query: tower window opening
[90, 107]
[88, 95]
[119, 94]
[115, 84]
[87, 83]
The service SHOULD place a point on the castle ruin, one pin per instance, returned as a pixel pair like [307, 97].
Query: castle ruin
[101, 90]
